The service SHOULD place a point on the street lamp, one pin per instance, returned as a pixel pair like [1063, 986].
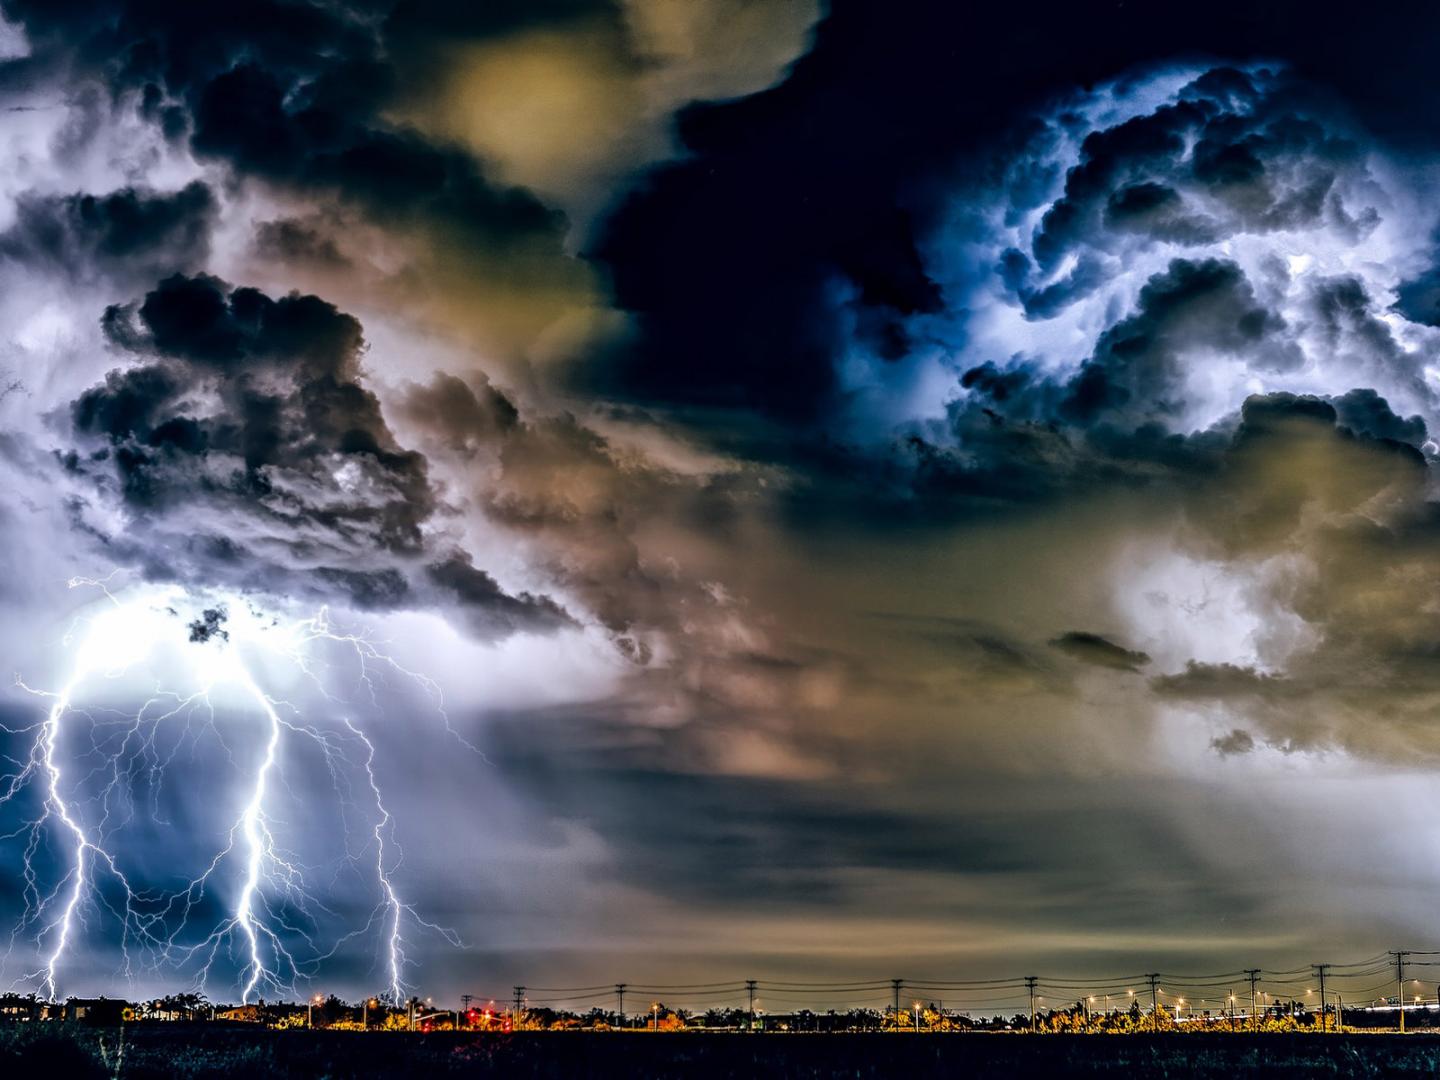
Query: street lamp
[655, 1014]
[365, 1013]
[917, 1018]
[310, 1012]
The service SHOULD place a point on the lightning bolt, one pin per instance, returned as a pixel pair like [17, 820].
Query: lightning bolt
[259, 844]
[273, 909]
[84, 847]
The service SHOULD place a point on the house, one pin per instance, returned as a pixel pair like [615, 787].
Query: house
[240, 1014]
[103, 1011]
[13, 1007]
[176, 1008]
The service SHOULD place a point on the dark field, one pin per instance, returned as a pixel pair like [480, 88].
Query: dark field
[174, 1052]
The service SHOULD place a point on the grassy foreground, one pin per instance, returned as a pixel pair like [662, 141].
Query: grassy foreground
[182, 1052]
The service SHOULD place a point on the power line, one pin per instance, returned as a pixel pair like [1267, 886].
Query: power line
[1334, 978]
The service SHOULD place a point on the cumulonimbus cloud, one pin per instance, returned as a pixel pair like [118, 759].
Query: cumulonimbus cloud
[244, 449]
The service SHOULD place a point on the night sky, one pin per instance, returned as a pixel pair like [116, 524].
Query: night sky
[728, 488]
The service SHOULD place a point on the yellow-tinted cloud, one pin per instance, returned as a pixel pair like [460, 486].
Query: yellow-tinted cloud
[573, 110]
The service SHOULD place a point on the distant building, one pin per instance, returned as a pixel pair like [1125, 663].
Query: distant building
[102, 1011]
[173, 1009]
[14, 1008]
[240, 1014]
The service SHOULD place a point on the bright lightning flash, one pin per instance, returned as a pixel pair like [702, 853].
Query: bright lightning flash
[226, 651]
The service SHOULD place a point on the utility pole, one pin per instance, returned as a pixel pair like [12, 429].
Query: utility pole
[1254, 976]
[1400, 984]
[1030, 981]
[750, 985]
[895, 985]
[1321, 969]
[465, 1000]
[620, 1004]
[515, 1013]
[1154, 978]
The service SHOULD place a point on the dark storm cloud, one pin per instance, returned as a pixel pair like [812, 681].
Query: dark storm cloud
[1365, 412]
[291, 93]
[174, 47]
[1216, 681]
[1135, 372]
[1290, 461]
[210, 624]
[581, 502]
[801, 210]
[1098, 197]
[724, 837]
[1023, 433]
[488, 608]
[1100, 651]
[1002, 465]
[978, 645]
[1419, 299]
[1243, 152]
[1336, 491]
[134, 233]
[254, 119]
[1122, 416]
[726, 840]
[246, 450]
[1236, 741]
[464, 416]
[1236, 154]
[1354, 515]
[289, 240]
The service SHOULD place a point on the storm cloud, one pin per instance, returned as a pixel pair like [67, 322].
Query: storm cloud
[245, 450]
